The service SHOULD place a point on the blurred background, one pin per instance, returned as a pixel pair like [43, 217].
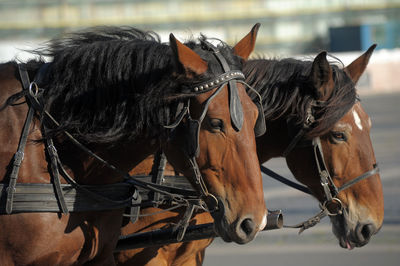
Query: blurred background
[290, 28]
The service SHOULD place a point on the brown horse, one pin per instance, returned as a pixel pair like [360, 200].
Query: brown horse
[344, 154]
[283, 84]
[114, 89]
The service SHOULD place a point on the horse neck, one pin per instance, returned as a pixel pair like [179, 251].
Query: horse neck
[271, 75]
[275, 140]
[87, 170]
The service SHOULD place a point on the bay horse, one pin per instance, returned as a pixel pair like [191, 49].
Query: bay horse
[111, 92]
[285, 86]
[319, 125]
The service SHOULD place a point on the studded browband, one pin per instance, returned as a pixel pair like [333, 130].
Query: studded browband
[218, 81]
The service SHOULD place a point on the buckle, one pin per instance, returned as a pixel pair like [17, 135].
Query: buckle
[33, 89]
[332, 207]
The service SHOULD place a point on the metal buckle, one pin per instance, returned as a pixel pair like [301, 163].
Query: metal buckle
[212, 201]
[10, 190]
[332, 207]
[32, 92]
[18, 157]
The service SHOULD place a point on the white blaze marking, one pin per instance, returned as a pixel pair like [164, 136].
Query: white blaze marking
[357, 120]
[263, 222]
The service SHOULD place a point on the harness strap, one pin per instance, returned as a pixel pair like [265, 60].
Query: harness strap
[329, 187]
[40, 197]
[372, 172]
[159, 164]
[181, 115]
[19, 155]
[184, 222]
[308, 223]
[310, 119]
[135, 211]
[235, 107]
[96, 196]
[294, 142]
[17, 160]
[51, 149]
[284, 180]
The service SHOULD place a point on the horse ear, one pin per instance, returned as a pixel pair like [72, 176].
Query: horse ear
[357, 67]
[186, 57]
[246, 45]
[321, 77]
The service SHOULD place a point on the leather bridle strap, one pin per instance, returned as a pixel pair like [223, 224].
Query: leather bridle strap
[19, 155]
[372, 172]
[235, 107]
[284, 180]
[327, 184]
[198, 178]
[309, 222]
[310, 119]
[33, 91]
[330, 189]
[52, 152]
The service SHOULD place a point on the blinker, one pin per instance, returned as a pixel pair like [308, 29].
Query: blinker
[235, 106]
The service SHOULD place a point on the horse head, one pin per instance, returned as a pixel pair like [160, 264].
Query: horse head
[217, 137]
[345, 154]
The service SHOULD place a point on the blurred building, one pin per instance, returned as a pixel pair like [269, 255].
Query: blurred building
[288, 26]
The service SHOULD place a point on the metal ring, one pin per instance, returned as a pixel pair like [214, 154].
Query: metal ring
[31, 92]
[210, 199]
[334, 201]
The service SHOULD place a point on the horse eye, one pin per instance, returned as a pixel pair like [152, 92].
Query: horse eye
[216, 124]
[338, 136]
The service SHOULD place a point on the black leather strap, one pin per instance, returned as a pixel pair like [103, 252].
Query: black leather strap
[367, 174]
[158, 168]
[284, 180]
[53, 155]
[29, 197]
[235, 107]
[19, 155]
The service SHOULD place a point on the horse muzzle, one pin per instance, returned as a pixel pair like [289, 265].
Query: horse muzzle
[350, 234]
[241, 231]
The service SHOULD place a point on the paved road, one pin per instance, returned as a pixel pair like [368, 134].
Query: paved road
[318, 246]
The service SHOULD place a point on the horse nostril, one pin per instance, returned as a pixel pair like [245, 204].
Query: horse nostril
[365, 231]
[248, 226]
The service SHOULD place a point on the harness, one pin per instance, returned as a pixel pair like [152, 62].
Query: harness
[56, 197]
[72, 197]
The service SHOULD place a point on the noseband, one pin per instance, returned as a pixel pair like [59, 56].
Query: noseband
[331, 205]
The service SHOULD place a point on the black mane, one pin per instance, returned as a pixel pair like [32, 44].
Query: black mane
[287, 91]
[113, 83]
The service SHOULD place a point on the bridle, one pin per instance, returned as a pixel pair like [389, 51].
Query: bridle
[191, 127]
[331, 205]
